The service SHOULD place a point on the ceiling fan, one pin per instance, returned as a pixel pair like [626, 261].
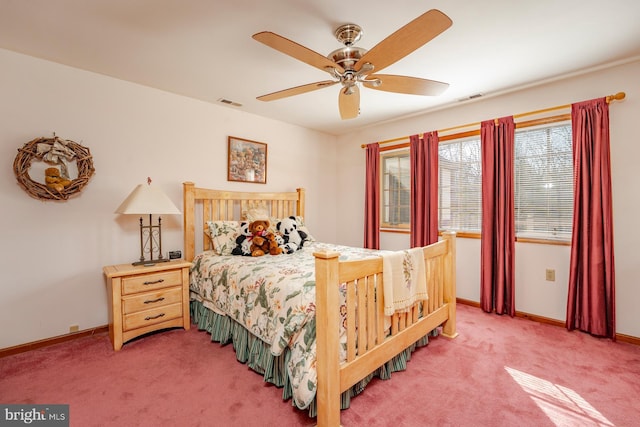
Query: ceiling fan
[351, 65]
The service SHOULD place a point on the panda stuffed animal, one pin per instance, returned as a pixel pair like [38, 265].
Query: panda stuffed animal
[280, 241]
[293, 238]
[243, 242]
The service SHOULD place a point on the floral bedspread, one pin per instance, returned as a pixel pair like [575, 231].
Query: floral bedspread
[274, 298]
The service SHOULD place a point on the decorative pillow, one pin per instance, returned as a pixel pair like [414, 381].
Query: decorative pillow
[302, 227]
[223, 235]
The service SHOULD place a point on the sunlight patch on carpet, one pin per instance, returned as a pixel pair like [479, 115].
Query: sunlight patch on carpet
[563, 406]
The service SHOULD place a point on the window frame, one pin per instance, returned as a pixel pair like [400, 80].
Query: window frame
[388, 225]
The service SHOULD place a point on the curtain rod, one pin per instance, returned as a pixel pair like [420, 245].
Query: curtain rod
[610, 98]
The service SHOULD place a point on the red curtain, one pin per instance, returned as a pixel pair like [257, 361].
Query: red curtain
[498, 225]
[424, 189]
[591, 302]
[372, 198]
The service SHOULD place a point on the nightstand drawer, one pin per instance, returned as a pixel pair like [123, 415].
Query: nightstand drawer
[151, 317]
[149, 300]
[151, 281]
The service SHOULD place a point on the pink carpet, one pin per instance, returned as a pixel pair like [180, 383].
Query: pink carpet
[499, 372]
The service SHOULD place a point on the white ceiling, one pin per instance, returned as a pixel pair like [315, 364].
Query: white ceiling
[203, 48]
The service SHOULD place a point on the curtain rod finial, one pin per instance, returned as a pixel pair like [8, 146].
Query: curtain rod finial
[617, 97]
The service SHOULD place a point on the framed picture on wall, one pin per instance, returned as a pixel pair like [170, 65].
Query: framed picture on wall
[247, 161]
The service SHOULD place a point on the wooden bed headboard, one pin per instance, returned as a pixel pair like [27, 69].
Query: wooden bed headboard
[201, 205]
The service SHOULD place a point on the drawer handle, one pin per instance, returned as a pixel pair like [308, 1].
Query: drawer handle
[154, 282]
[154, 300]
[153, 317]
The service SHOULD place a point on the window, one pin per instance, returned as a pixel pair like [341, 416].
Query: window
[544, 183]
[396, 190]
[543, 169]
[460, 185]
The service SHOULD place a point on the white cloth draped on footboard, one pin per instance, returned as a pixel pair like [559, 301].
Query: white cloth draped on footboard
[404, 279]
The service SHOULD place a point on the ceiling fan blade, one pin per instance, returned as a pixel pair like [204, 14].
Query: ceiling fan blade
[349, 103]
[407, 39]
[296, 51]
[296, 90]
[404, 84]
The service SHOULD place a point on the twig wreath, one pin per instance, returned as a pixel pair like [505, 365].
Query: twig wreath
[56, 152]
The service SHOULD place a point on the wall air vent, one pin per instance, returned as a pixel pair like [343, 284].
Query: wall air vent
[228, 102]
[470, 97]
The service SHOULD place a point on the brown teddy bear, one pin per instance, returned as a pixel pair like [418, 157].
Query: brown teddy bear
[262, 241]
[54, 181]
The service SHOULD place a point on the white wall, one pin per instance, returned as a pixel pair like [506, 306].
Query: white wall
[53, 252]
[534, 294]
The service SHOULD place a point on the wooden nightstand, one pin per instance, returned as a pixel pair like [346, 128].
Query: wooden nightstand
[145, 299]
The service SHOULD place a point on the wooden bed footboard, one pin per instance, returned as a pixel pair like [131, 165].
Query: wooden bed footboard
[368, 344]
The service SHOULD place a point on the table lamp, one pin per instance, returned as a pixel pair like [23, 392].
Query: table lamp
[143, 200]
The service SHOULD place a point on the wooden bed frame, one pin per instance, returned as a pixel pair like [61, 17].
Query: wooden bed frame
[368, 346]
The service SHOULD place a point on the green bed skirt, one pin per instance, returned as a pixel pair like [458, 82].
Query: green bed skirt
[255, 353]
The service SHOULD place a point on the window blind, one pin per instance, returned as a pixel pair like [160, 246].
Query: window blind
[460, 183]
[544, 182]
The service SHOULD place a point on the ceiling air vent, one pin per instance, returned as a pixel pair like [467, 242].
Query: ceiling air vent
[228, 102]
[470, 97]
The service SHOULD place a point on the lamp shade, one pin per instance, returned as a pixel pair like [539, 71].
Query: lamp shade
[147, 199]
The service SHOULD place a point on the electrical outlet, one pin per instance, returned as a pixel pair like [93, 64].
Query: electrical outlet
[551, 275]
[175, 254]
[74, 328]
